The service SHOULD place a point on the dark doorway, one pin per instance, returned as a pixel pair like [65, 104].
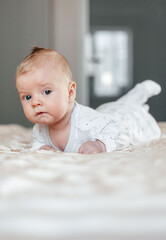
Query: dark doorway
[146, 20]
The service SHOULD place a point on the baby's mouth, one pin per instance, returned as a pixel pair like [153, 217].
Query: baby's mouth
[40, 113]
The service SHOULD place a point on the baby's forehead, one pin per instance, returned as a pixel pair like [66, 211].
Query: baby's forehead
[50, 67]
[57, 66]
[50, 64]
[47, 71]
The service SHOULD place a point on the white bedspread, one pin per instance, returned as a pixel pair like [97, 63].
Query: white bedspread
[63, 196]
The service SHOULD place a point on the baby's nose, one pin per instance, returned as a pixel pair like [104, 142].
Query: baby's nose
[36, 101]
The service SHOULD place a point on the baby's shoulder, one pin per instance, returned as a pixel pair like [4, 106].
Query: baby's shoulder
[85, 112]
[87, 118]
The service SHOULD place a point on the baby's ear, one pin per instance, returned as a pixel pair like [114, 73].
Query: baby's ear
[72, 91]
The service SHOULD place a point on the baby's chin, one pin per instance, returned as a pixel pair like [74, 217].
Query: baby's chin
[42, 119]
[43, 122]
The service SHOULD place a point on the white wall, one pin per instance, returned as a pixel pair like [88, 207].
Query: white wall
[70, 26]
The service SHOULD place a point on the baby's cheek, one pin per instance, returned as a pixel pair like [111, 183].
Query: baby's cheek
[28, 113]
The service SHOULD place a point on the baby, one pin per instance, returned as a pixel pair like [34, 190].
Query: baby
[47, 92]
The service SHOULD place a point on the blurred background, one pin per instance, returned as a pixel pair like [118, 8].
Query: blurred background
[110, 44]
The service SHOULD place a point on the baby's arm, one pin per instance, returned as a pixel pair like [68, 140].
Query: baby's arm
[92, 147]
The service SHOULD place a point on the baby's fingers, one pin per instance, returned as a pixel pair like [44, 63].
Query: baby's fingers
[86, 150]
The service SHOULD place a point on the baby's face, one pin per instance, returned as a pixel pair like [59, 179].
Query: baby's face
[45, 97]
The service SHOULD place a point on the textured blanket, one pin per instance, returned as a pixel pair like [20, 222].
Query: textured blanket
[64, 196]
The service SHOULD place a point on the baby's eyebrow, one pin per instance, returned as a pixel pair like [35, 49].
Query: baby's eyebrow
[22, 92]
[43, 84]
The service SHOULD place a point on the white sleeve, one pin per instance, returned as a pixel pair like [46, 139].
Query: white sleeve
[115, 136]
[38, 137]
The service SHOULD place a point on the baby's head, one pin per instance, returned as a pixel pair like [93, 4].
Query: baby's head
[40, 57]
[45, 86]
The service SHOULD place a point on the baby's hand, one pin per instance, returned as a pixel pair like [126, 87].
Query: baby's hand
[46, 147]
[92, 147]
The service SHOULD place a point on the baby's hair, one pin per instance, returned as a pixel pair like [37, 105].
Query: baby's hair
[39, 56]
[38, 49]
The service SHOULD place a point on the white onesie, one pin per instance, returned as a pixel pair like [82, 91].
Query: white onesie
[117, 124]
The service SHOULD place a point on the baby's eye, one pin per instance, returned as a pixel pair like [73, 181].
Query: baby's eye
[27, 98]
[47, 92]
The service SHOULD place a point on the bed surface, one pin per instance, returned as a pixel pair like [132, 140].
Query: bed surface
[69, 196]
